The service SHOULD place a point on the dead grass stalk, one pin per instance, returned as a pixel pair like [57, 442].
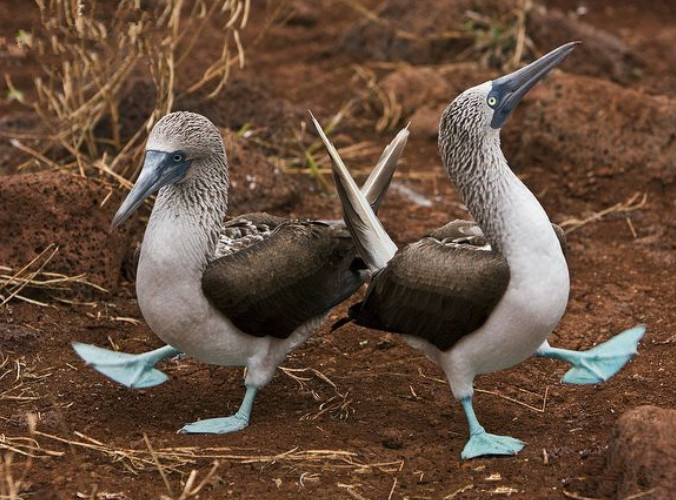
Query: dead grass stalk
[634, 202]
[91, 52]
[34, 276]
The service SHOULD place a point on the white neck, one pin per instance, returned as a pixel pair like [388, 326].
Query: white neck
[183, 228]
[509, 214]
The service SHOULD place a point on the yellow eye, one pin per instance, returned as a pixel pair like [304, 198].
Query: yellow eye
[492, 101]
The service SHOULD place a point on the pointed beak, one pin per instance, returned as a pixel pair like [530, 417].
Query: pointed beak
[158, 171]
[515, 85]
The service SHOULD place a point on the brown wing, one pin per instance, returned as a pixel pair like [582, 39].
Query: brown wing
[436, 291]
[298, 272]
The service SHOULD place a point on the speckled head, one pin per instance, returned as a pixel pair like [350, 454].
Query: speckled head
[485, 108]
[190, 133]
[178, 145]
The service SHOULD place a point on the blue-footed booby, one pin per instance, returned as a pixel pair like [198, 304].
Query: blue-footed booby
[240, 293]
[477, 297]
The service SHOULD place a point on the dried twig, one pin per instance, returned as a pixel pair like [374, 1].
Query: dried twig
[89, 63]
[498, 394]
[634, 202]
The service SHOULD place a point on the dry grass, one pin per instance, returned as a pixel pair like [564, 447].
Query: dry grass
[33, 276]
[176, 460]
[634, 202]
[300, 151]
[494, 39]
[499, 41]
[336, 404]
[12, 481]
[92, 51]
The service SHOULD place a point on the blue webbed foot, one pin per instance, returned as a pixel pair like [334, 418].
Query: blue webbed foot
[599, 363]
[482, 443]
[224, 425]
[131, 370]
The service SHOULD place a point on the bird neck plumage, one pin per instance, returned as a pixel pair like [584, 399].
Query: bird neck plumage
[187, 217]
[501, 204]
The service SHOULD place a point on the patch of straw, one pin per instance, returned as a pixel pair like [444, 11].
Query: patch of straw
[34, 276]
[176, 459]
[339, 405]
[12, 486]
[91, 53]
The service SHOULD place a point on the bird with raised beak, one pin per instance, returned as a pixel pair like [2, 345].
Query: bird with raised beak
[477, 297]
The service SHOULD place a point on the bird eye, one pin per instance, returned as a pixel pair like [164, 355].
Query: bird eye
[492, 101]
[178, 158]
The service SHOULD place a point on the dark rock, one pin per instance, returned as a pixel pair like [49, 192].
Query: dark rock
[49, 207]
[642, 453]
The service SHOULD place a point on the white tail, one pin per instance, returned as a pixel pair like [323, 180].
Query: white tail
[379, 179]
[375, 245]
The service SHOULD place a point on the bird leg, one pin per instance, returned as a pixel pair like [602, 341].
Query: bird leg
[224, 425]
[481, 443]
[134, 371]
[599, 363]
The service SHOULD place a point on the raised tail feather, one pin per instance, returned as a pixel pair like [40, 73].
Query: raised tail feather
[379, 179]
[374, 244]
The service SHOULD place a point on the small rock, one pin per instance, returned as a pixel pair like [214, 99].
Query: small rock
[392, 439]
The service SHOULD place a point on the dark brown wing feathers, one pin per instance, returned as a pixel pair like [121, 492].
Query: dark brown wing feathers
[435, 291]
[300, 271]
[440, 288]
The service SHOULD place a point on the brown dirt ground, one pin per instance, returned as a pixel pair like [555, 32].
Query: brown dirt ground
[392, 426]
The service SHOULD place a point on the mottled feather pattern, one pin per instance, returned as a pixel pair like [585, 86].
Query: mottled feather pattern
[468, 234]
[241, 232]
[465, 141]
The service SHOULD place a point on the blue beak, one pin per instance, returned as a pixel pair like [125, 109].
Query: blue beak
[159, 169]
[509, 89]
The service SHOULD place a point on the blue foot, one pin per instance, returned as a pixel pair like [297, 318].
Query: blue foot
[224, 425]
[482, 444]
[131, 370]
[599, 363]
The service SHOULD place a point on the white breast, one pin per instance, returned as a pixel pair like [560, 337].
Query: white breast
[168, 286]
[532, 305]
